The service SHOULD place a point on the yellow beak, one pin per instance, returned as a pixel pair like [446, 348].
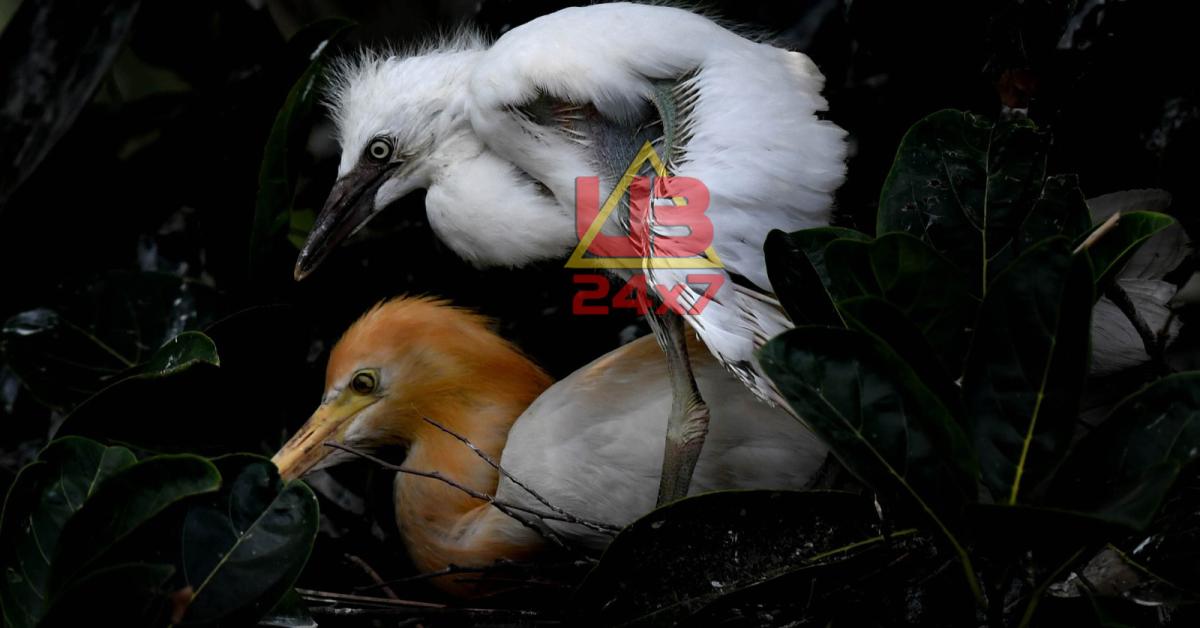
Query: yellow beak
[307, 447]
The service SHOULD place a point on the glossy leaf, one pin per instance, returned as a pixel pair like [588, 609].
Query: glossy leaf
[41, 501]
[1060, 209]
[1110, 253]
[922, 285]
[796, 268]
[1026, 367]
[126, 501]
[243, 549]
[277, 178]
[52, 57]
[178, 354]
[964, 185]
[675, 561]
[102, 334]
[881, 422]
[1122, 470]
[208, 405]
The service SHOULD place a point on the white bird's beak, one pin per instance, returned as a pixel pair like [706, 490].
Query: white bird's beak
[350, 205]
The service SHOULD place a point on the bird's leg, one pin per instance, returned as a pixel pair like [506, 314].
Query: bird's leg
[688, 422]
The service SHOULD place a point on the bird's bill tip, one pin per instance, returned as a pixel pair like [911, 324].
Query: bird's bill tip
[350, 205]
[306, 448]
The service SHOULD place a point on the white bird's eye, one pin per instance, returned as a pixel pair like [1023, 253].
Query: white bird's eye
[379, 149]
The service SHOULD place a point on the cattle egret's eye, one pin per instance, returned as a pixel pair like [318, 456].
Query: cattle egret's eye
[379, 149]
[363, 382]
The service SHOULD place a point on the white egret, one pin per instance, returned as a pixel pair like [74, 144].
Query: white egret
[587, 445]
[498, 135]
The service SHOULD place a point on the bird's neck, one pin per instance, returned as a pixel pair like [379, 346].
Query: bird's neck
[442, 524]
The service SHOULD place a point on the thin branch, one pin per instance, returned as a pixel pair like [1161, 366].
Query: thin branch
[350, 604]
[314, 595]
[597, 526]
[373, 575]
[1100, 231]
[429, 575]
[537, 525]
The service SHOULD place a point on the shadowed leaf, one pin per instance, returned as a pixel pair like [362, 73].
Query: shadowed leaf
[924, 287]
[120, 326]
[123, 503]
[1026, 367]
[277, 177]
[964, 185]
[796, 268]
[243, 549]
[44, 497]
[1121, 472]
[1110, 253]
[881, 422]
[675, 561]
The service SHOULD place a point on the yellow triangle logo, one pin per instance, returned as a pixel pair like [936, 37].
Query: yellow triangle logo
[577, 259]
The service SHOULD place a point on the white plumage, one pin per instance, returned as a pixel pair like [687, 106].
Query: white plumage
[498, 136]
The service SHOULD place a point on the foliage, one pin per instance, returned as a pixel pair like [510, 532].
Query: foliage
[980, 285]
[91, 529]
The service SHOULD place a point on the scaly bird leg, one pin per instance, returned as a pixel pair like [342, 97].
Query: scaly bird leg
[688, 422]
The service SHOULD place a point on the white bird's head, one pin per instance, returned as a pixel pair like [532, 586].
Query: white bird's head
[392, 112]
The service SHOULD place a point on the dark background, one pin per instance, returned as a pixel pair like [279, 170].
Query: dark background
[160, 173]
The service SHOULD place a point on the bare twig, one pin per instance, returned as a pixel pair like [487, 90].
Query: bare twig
[536, 524]
[429, 575]
[1104, 228]
[314, 595]
[350, 604]
[597, 526]
[373, 575]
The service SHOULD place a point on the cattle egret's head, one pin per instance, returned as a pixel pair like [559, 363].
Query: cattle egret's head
[404, 360]
[392, 111]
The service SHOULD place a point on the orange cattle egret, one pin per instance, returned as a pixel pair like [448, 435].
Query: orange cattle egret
[590, 444]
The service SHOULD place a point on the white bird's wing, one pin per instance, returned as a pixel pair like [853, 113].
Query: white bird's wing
[576, 93]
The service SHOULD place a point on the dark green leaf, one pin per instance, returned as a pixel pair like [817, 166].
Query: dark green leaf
[1060, 210]
[52, 57]
[124, 502]
[1110, 253]
[99, 335]
[277, 177]
[179, 353]
[1026, 367]
[41, 501]
[243, 549]
[922, 285]
[796, 268]
[874, 316]
[208, 405]
[1122, 471]
[964, 185]
[671, 563]
[880, 421]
